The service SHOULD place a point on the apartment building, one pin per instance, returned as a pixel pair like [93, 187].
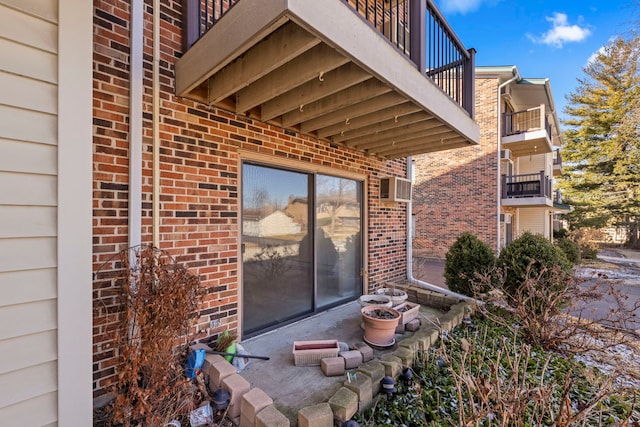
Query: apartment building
[502, 187]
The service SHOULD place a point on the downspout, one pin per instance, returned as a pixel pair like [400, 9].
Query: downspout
[155, 194]
[135, 125]
[410, 277]
[516, 76]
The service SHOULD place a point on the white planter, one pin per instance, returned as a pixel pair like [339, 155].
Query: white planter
[395, 295]
[374, 299]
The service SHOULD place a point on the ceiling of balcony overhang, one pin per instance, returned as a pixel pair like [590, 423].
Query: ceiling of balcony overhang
[288, 76]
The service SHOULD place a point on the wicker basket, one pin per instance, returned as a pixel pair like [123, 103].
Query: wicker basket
[310, 353]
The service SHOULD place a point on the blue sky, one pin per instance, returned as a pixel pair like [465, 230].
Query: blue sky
[543, 38]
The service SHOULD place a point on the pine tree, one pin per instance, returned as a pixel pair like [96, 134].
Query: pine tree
[602, 141]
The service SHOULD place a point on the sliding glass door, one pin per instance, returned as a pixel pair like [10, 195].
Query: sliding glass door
[301, 244]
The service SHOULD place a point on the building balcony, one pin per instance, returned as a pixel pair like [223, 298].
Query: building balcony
[389, 78]
[557, 163]
[558, 203]
[527, 190]
[527, 132]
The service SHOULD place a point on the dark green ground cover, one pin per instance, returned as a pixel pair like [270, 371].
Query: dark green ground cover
[492, 369]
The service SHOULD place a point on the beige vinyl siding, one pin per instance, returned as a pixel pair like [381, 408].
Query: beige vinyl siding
[28, 212]
[38, 411]
[533, 220]
[533, 164]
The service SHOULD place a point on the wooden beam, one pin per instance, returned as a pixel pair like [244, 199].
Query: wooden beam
[419, 145]
[353, 95]
[385, 125]
[346, 114]
[402, 133]
[309, 65]
[460, 142]
[369, 119]
[325, 85]
[284, 44]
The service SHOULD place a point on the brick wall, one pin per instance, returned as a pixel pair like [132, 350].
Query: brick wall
[456, 190]
[199, 198]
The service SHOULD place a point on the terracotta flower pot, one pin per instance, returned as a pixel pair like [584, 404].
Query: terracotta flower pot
[380, 324]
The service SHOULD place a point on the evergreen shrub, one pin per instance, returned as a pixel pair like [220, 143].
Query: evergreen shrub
[467, 256]
[533, 252]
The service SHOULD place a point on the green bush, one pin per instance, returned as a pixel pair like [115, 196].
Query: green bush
[467, 256]
[587, 240]
[570, 248]
[534, 252]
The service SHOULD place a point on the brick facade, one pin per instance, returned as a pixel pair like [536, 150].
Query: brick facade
[456, 190]
[201, 150]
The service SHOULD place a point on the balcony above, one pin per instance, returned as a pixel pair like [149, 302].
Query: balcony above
[557, 163]
[527, 190]
[337, 70]
[527, 132]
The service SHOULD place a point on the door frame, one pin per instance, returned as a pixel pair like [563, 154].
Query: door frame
[304, 167]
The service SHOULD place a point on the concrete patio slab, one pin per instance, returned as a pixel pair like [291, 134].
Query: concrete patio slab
[295, 387]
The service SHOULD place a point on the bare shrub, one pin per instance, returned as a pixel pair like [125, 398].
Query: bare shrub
[555, 318]
[503, 382]
[587, 239]
[158, 299]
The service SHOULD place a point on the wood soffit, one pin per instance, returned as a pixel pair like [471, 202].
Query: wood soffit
[293, 79]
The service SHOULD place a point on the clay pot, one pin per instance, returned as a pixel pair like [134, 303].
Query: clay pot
[380, 325]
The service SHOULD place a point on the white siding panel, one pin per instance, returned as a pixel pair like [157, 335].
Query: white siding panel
[25, 319]
[27, 221]
[25, 157]
[27, 61]
[26, 189]
[26, 254]
[29, 30]
[26, 125]
[28, 350]
[28, 383]
[39, 411]
[29, 94]
[46, 9]
[17, 287]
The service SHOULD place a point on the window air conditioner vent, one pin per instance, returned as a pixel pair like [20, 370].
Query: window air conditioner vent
[505, 154]
[506, 91]
[506, 218]
[394, 189]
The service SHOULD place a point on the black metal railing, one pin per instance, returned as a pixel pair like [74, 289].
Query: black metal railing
[514, 123]
[557, 158]
[526, 185]
[415, 27]
[199, 16]
[419, 31]
[448, 63]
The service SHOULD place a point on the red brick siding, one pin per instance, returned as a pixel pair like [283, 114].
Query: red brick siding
[199, 195]
[456, 190]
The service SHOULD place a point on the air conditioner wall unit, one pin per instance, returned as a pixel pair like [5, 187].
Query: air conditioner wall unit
[505, 154]
[506, 218]
[394, 189]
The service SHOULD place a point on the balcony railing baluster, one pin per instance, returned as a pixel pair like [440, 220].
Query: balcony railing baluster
[526, 185]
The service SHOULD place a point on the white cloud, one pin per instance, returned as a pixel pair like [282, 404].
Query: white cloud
[561, 32]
